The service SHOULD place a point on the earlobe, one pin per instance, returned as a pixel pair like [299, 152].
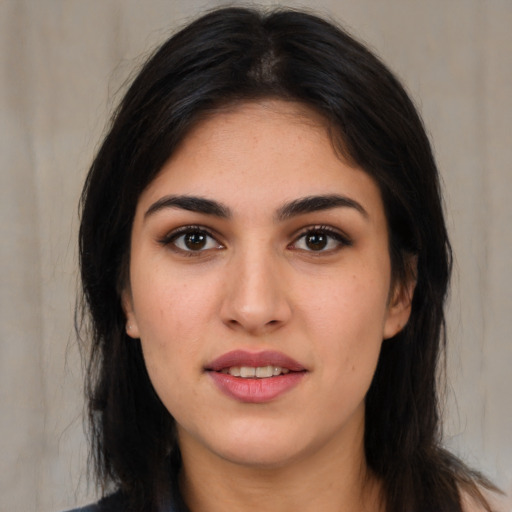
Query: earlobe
[397, 318]
[400, 304]
[132, 328]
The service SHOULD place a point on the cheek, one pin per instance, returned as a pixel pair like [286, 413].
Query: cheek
[170, 330]
[347, 321]
[170, 325]
[347, 306]
[175, 313]
[170, 304]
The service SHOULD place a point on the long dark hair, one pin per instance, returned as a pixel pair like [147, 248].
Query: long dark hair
[238, 54]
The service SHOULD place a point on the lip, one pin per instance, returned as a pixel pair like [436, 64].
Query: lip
[254, 359]
[254, 390]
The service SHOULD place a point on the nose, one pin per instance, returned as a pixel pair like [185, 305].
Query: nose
[255, 298]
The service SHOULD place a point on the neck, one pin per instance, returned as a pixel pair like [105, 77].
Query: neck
[331, 479]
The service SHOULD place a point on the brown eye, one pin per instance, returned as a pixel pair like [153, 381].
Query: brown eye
[191, 240]
[195, 241]
[316, 241]
[320, 240]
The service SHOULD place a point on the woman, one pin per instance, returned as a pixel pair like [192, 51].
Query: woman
[265, 261]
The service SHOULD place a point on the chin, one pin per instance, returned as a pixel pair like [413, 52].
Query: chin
[260, 448]
[259, 457]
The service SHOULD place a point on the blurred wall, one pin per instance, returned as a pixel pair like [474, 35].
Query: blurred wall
[62, 65]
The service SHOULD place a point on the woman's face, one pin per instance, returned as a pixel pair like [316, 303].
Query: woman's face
[260, 288]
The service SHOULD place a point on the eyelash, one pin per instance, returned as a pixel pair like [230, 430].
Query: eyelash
[342, 240]
[170, 239]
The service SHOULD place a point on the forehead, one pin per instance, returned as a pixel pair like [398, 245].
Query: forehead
[267, 151]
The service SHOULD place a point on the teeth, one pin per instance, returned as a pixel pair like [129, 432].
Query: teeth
[247, 372]
[264, 371]
[261, 372]
[235, 371]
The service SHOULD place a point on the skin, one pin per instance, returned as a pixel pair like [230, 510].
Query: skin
[258, 285]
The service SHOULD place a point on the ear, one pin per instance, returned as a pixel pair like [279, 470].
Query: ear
[132, 329]
[400, 301]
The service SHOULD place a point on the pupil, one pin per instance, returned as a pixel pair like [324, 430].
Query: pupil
[316, 241]
[195, 241]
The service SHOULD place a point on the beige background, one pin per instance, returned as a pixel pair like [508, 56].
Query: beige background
[62, 64]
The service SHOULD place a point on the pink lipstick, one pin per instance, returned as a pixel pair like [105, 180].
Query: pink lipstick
[255, 377]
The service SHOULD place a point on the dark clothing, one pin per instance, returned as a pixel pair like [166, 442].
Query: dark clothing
[113, 503]
[117, 503]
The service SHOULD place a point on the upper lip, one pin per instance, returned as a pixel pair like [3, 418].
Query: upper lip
[254, 359]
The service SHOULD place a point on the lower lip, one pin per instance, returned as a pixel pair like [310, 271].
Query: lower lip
[256, 391]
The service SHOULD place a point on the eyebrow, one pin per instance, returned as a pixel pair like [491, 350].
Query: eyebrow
[312, 204]
[192, 204]
[291, 209]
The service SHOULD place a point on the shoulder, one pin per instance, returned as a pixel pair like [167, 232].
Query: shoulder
[497, 502]
[117, 503]
[112, 503]
[88, 508]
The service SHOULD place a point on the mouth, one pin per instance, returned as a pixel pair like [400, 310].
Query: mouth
[255, 377]
[259, 365]
[260, 372]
